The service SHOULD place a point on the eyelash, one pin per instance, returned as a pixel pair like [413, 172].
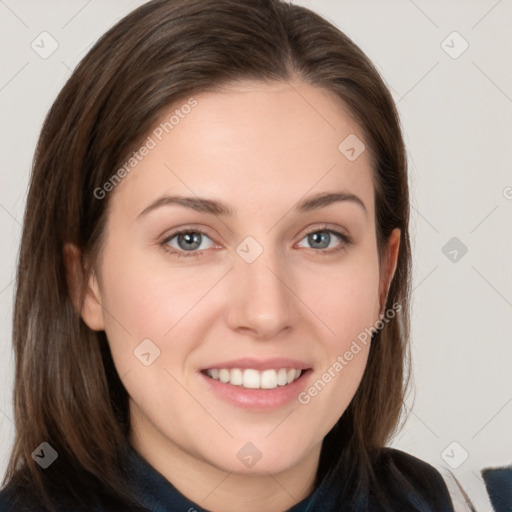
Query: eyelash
[346, 242]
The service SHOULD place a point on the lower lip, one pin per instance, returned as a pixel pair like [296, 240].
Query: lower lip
[263, 399]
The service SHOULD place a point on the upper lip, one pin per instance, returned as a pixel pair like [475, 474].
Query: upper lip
[260, 364]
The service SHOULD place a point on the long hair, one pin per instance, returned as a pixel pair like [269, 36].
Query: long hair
[66, 390]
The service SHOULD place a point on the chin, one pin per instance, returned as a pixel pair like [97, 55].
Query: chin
[253, 458]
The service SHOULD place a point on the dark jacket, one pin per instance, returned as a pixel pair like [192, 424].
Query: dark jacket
[409, 485]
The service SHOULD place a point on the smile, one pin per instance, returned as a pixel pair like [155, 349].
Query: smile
[251, 378]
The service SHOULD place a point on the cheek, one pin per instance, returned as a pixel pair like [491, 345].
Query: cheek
[156, 303]
[344, 297]
[146, 288]
[142, 300]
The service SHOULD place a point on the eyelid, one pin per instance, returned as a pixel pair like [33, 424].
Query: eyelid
[327, 227]
[195, 228]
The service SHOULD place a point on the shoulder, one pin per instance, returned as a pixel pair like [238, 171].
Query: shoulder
[7, 500]
[15, 499]
[21, 499]
[405, 479]
[408, 465]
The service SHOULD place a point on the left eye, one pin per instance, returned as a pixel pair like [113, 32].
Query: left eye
[323, 239]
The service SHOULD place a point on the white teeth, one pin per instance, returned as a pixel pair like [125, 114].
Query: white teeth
[281, 377]
[237, 377]
[251, 379]
[269, 379]
[254, 379]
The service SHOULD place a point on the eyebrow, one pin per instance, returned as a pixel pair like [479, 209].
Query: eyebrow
[204, 205]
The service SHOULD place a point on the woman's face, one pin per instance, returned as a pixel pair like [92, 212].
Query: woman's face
[276, 271]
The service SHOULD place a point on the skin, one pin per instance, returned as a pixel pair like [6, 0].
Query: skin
[259, 148]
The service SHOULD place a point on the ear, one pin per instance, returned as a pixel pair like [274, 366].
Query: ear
[85, 296]
[388, 266]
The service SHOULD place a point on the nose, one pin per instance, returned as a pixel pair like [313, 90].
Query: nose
[262, 302]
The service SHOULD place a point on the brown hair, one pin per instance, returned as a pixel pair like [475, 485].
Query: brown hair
[67, 391]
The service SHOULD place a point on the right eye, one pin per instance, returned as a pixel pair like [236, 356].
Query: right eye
[187, 241]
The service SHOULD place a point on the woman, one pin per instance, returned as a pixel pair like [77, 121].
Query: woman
[212, 299]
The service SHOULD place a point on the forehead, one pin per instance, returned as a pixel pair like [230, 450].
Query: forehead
[251, 144]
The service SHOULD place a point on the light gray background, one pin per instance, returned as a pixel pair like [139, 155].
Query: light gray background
[456, 114]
